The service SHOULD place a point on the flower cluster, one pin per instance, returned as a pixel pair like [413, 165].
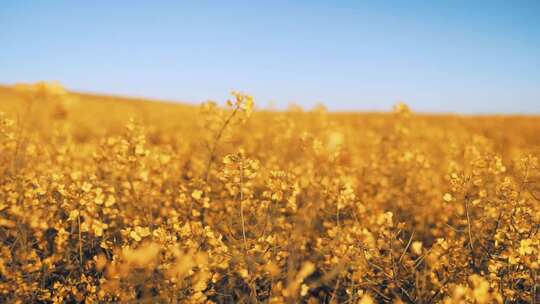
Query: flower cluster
[113, 200]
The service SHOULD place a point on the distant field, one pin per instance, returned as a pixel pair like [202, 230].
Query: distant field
[109, 199]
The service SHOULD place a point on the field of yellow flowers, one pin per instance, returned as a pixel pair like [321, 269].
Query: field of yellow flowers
[105, 199]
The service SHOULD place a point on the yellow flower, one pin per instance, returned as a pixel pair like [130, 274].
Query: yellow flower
[86, 187]
[110, 201]
[416, 247]
[134, 235]
[197, 194]
[447, 197]
[73, 215]
[366, 299]
[139, 232]
[98, 230]
[525, 247]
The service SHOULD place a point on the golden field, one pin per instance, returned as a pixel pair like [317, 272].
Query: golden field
[106, 199]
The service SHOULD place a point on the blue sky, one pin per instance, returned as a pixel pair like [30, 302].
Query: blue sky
[437, 56]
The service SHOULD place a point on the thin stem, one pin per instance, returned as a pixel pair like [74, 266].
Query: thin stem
[213, 156]
[406, 248]
[242, 203]
[534, 287]
[80, 240]
[216, 141]
[337, 215]
[469, 230]
[334, 293]
[21, 137]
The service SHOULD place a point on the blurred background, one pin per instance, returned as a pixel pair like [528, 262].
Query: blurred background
[470, 57]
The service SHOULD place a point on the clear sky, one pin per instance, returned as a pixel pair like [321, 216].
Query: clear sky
[442, 56]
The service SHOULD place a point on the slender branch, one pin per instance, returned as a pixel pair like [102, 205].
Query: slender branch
[217, 138]
[80, 240]
[212, 155]
[334, 293]
[337, 215]
[469, 230]
[242, 203]
[406, 248]
[21, 137]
